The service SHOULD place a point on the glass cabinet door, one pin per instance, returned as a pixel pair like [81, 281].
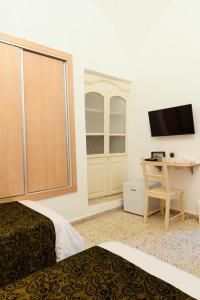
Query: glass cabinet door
[117, 144]
[117, 138]
[94, 115]
[95, 144]
[117, 115]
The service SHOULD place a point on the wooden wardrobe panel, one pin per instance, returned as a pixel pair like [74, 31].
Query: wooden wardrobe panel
[11, 153]
[45, 122]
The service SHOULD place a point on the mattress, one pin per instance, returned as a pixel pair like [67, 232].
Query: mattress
[33, 236]
[182, 280]
[104, 273]
[27, 242]
[68, 240]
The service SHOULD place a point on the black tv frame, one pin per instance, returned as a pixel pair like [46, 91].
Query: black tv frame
[156, 132]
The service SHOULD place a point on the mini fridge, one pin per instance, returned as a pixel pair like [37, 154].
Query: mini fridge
[133, 197]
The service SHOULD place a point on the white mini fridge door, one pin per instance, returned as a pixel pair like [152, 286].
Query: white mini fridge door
[133, 198]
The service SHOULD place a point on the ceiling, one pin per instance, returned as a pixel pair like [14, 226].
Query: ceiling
[133, 19]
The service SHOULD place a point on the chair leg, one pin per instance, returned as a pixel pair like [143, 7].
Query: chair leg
[146, 208]
[162, 206]
[199, 214]
[182, 207]
[167, 213]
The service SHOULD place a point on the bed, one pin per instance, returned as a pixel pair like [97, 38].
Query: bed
[108, 271]
[33, 237]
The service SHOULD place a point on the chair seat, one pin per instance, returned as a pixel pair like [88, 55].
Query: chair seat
[160, 192]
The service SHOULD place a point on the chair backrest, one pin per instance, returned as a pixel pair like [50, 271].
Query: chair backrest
[150, 175]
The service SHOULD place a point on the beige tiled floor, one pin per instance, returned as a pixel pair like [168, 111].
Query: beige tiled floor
[180, 245]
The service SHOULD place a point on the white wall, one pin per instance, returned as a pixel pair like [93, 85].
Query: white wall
[132, 20]
[168, 74]
[80, 28]
[154, 43]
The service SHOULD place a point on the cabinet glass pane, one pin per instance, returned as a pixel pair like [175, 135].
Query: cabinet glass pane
[117, 144]
[94, 113]
[117, 115]
[95, 144]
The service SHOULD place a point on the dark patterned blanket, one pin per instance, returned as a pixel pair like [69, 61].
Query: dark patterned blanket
[27, 242]
[92, 274]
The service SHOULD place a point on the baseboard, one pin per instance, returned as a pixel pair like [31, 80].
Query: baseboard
[93, 216]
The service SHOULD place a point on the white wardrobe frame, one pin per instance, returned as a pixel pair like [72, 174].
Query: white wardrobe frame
[108, 171]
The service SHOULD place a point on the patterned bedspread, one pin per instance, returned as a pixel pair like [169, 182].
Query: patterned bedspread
[92, 274]
[27, 242]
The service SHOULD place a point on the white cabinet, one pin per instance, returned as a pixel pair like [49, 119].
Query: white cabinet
[97, 168]
[133, 197]
[106, 133]
[117, 173]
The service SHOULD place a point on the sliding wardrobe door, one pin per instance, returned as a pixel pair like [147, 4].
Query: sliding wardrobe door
[45, 114]
[11, 153]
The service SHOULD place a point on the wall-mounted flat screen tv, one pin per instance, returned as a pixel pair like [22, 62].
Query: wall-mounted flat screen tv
[172, 121]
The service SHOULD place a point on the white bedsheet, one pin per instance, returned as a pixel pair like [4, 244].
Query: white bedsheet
[182, 280]
[68, 240]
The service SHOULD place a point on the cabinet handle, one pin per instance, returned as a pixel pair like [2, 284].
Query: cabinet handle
[133, 190]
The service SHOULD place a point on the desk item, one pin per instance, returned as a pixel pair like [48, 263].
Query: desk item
[165, 193]
[133, 197]
[151, 159]
[172, 155]
[157, 155]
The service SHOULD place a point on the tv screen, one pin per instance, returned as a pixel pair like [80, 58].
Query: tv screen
[172, 121]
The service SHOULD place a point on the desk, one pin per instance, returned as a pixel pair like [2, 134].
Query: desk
[177, 165]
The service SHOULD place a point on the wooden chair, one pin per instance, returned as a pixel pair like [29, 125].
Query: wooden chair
[164, 192]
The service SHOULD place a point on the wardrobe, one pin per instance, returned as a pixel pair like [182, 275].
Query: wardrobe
[37, 147]
[106, 100]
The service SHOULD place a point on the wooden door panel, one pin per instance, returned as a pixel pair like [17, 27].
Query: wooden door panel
[96, 177]
[11, 151]
[45, 122]
[117, 174]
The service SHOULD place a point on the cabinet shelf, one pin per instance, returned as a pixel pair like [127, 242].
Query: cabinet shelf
[117, 134]
[94, 110]
[115, 113]
[94, 134]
